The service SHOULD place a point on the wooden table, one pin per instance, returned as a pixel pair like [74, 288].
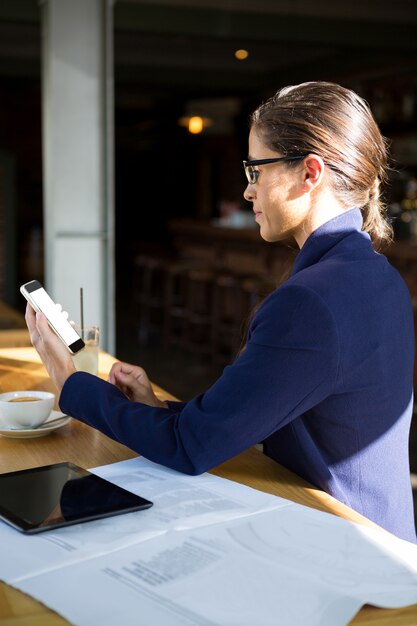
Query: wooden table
[20, 368]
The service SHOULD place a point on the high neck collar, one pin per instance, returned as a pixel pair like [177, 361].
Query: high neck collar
[326, 236]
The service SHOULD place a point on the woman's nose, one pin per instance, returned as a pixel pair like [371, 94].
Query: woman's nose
[249, 193]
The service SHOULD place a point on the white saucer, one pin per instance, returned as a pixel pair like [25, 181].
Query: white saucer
[36, 432]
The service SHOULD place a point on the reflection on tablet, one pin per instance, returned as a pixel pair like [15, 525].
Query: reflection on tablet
[58, 495]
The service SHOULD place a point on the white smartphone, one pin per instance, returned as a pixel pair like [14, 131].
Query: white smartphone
[39, 300]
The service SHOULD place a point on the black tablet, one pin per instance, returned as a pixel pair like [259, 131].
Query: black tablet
[52, 496]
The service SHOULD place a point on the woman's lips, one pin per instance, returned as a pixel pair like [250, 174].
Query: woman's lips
[257, 214]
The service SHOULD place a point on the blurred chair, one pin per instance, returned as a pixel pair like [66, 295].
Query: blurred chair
[198, 307]
[148, 294]
[229, 310]
[175, 307]
[235, 299]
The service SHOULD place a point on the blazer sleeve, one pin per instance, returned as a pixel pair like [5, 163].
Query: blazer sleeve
[289, 365]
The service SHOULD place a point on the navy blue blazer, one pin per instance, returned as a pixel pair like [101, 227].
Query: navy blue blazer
[325, 380]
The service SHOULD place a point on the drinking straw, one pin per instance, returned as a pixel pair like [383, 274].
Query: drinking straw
[82, 311]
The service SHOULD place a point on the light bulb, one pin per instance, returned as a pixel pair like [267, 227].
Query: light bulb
[241, 54]
[195, 125]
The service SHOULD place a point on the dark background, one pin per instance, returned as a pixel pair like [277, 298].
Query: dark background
[175, 55]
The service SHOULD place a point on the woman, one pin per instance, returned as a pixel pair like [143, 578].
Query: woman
[325, 379]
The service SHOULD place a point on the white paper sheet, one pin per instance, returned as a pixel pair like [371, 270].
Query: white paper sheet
[285, 564]
[180, 502]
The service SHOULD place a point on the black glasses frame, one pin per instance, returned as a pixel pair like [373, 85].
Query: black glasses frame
[252, 175]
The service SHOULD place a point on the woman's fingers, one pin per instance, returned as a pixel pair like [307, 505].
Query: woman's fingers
[133, 381]
[52, 351]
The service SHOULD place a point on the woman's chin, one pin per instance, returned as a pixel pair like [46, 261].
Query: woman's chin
[273, 237]
[267, 235]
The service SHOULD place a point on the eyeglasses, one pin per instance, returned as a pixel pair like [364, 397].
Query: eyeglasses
[252, 174]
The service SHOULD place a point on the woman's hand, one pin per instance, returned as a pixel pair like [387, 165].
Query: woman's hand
[135, 384]
[50, 348]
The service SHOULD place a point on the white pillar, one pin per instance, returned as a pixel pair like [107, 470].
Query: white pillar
[78, 155]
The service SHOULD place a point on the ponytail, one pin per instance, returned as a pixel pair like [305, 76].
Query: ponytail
[374, 218]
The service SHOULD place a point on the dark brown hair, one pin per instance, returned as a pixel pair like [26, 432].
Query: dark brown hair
[337, 124]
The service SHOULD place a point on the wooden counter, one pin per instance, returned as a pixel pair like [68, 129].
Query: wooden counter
[230, 246]
[240, 250]
[20, 368]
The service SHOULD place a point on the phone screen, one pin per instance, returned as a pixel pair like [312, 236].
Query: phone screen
[36, 294]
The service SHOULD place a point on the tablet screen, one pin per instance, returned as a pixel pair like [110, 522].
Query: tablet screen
[37, 499]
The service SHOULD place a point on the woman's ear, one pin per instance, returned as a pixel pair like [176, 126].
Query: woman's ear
[313, 172]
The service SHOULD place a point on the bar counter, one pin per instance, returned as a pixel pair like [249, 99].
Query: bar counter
[207, 241]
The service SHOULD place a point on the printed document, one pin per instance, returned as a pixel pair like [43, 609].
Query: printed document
[209, 552]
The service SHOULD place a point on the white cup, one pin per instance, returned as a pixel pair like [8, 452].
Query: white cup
[21, 414]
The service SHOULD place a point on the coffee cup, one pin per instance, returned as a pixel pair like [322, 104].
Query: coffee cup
[25, 409]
